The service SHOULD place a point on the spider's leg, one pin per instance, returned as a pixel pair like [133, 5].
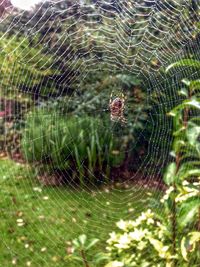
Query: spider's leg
[111, 95]
[123, 119]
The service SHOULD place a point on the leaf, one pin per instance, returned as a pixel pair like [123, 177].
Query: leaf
[156, 243]
[159, 246]
[82, 239]
[101, 257]
[76, 243]
[194, 237]
[73, 257]
[188, 243]
[194, 85]
[184, 63]
[186, 82]
[184, 247]
[179, 132]
[183, 92]
[190, 173]
[169, 176]
[188, 211]
[193, 103]
[92, 243]
[192, 132]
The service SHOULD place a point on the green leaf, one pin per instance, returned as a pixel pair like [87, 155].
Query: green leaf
[73, 257]
[76, 243]
[160, 247]
[194, 85]
[184, 248]
[184, 63]
[190, 173]
[183, 92]
[188, 243]
[186, 82]
[194, 237]
[189, 165]
[156, 243]
[193, 103]
[179, 132]
[82, 239]
[188, 212]
[101, 257]
[169, 176]
[192, 132]
[92, 243]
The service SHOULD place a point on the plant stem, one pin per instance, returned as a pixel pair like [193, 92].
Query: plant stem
[174, 223]
[84, 258]
[198, 228]
[174, 230]
[174, 208]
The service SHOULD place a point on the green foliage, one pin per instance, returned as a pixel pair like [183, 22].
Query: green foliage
[141, 242]
[92, 99]
[23, 69]
[184, 63]
[81, 246]
[57, 55]
[80, 145]
[170, 234]
[12, 111]
[21, 63]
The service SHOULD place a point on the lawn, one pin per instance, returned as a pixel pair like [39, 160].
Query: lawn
[38, 223]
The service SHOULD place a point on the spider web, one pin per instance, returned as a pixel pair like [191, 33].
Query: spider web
[136, 37]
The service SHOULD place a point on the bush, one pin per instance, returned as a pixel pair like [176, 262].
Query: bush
[171, 237]
[11, 122]
[148, 240]
[71, 145]
[139, 243]
[92, 99]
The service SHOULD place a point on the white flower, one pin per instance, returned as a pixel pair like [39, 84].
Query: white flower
[169, 190]
[122, 225]
[137, 234]
[150, 221]
[113, 236]
[117, 264]
[124, 241]
[185, 182]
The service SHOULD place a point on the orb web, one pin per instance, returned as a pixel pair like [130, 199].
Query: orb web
[79, 41]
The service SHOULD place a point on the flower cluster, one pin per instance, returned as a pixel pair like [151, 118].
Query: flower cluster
[139, 242]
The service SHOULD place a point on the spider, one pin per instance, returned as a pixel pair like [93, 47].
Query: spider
[117, 106]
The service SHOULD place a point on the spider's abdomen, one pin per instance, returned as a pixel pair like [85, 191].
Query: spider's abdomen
[116, 104]
[117, 109]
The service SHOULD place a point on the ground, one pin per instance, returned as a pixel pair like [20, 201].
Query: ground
[38, 223]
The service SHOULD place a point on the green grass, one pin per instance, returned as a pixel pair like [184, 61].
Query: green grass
[55, 216]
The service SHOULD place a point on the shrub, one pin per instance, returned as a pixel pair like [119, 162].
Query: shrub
[170, 234]
[93, 99]
[149, 240]
[79, 252]
[11, 122]
[74, 145]
[139, 243]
